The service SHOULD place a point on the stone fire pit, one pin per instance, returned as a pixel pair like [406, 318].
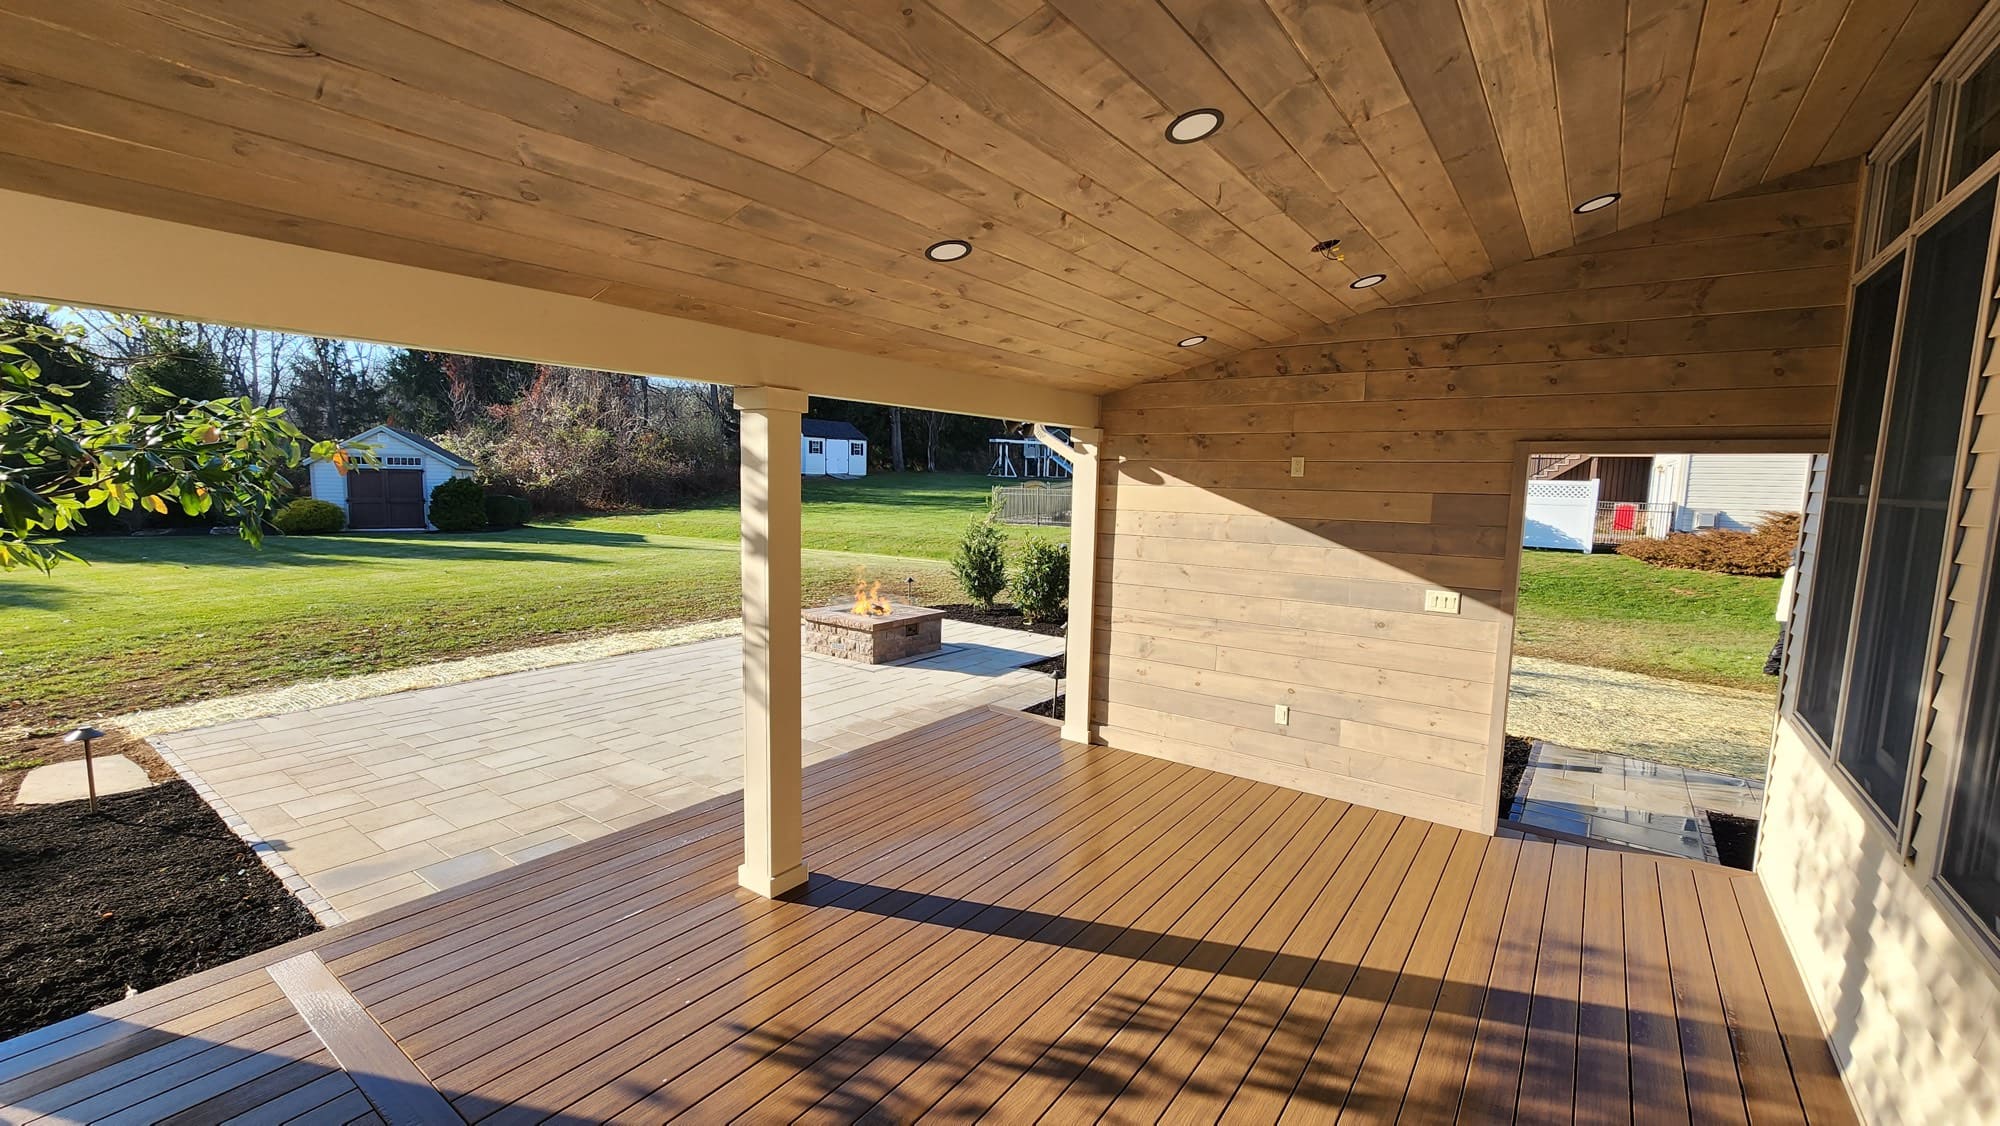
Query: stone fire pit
[873, 639]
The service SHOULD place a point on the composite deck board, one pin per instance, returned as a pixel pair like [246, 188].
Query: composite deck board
[1001, 925]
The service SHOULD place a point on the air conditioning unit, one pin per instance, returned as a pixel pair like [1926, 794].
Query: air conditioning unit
[1705, 518]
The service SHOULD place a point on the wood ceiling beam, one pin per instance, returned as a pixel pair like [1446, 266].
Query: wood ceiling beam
[69, 253]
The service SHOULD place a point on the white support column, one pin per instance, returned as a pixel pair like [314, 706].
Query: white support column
[773, 783]
[1082, 583]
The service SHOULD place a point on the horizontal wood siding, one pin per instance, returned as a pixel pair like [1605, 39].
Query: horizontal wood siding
[1227, 586]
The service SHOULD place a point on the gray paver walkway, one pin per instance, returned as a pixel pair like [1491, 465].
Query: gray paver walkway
[1611, 797]
[375, 802]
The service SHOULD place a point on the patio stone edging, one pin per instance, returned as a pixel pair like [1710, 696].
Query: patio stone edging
[327, 914]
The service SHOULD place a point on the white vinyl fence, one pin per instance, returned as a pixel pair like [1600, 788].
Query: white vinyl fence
[1561, 515]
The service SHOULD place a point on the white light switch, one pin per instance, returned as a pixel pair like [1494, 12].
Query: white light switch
[1441, 601]
[1298, 467]
[1281, 714]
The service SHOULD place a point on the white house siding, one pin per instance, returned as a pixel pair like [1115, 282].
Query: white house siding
[324, 482]
[1740, 488]
[833, 457]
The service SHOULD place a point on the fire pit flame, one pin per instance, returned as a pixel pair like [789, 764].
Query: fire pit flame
[868, 600]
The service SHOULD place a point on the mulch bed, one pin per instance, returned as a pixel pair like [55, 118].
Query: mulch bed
[1513, 765]
[1001, 615]
[1735, 838]
[22, 753]
[151, 889]
[1050, 708]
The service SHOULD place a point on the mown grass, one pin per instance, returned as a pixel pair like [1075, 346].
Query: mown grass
[153, 621]
[1613, 612]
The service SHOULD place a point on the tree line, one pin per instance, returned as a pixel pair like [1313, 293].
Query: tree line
[569, 439]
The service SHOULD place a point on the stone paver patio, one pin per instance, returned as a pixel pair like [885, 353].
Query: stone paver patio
[1625, 800]
[370, 803]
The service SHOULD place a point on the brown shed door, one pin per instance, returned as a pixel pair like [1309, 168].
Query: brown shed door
[385, 498]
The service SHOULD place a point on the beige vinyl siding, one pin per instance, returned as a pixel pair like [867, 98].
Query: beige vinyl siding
[1905, 995]
[1227, 586]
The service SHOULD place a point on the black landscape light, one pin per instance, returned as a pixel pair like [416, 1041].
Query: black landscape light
[84, 735]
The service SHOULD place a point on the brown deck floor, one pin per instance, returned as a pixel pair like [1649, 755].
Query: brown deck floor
[999, 925]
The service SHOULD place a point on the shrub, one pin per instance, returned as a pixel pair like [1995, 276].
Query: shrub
[981, 563]
[1041, 587]
[308, 517]
[1765, 550]
[503, 511]
[458, 505]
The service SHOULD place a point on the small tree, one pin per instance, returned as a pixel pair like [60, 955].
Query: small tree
[57, 465]
[1041, 587]
[981, 563]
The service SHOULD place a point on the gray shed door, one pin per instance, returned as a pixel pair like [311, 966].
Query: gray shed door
[385, 498]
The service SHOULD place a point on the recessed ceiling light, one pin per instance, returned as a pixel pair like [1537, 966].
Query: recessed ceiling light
[1194, 340]
[1597, 203]
[950, 250]
[1194, 125]
[1368, 282]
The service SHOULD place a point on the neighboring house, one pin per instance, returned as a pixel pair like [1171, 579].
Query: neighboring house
[394, 494]
[1683, 492]
[832, 449]
[1729, 490]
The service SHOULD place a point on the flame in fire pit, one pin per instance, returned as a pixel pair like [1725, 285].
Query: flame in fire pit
[868, 600]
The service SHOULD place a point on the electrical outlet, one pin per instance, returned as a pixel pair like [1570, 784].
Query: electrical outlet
[1298, 467]
[1281, 714]
[1441, 601]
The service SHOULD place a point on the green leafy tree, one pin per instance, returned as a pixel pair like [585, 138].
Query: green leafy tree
[88, 379]
[57, 465]
[981, 563]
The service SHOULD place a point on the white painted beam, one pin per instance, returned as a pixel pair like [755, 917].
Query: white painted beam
[773, 699]
[75, 254]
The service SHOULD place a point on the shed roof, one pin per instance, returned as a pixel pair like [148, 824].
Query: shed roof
[414, 439]
[831, 428]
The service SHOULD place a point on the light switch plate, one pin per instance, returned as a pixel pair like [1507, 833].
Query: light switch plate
[1281, 714]
[1441, 601]
[1298, 467]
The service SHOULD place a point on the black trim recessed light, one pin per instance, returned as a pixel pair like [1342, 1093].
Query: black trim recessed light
[1194, 125]
[1597, 203]
[1194, 340]
[1370, 281]
[950, 250]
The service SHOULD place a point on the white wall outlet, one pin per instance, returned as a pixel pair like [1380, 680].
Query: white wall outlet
[1441, 601]
[1281, 714]
[1298, 467]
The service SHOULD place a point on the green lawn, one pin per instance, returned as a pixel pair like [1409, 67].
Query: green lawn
[1614, 612]
[160, 620]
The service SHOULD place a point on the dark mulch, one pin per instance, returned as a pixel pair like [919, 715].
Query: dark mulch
[1513, 765]
[20, 755]
[1735, 838]
[150, 890]
[1051, 708]
[1002, 615]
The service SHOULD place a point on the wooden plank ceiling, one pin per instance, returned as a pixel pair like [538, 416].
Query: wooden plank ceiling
[780, 165]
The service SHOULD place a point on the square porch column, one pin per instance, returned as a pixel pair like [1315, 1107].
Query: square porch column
[773, 767]
[1078, 660]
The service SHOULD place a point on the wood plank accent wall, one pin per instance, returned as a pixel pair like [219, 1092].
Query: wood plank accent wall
[1228, 586]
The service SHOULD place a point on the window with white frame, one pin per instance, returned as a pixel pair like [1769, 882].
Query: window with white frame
[856, 449]
[815, 446]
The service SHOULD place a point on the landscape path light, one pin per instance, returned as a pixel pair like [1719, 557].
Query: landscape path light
[84, 735]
